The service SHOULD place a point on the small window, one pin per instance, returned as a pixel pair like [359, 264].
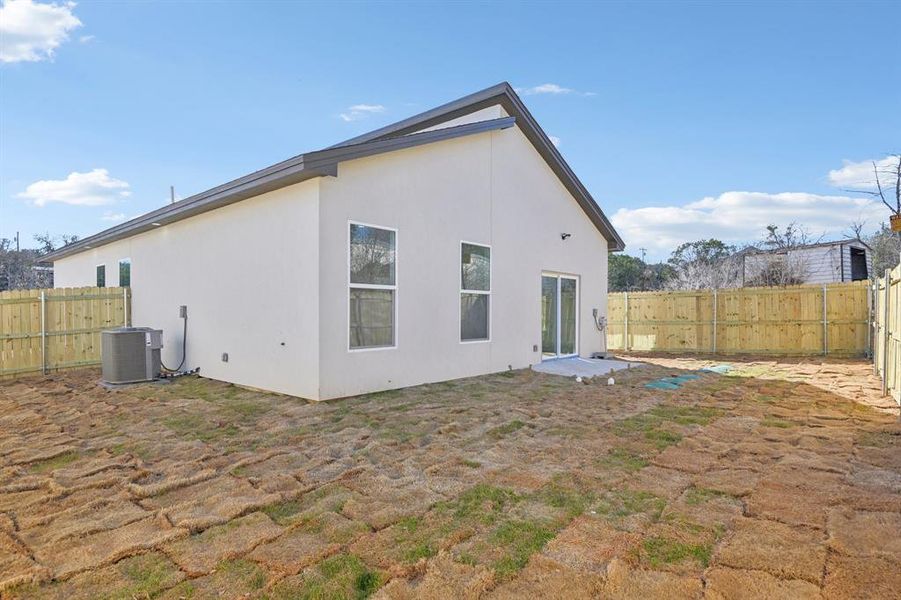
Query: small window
[125, 272]
[101, 275]
[372, 281]
[475, 292]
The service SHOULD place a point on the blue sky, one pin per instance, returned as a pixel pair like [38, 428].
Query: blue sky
[683, 120]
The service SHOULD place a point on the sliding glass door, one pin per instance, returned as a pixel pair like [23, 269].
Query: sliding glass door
[559, 316]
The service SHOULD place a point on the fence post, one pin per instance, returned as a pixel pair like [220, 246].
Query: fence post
[887, 333]
[125, 304]
[43, 332]
[714, 320]
[825, 325]
[870, 323]
[625, 321]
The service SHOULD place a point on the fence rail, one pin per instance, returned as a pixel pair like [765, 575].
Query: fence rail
[44, 330]
[831, 320]
[887, 332]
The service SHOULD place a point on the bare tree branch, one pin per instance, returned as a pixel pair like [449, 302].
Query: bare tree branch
[879, 184]
[867, 192]
[856, 230]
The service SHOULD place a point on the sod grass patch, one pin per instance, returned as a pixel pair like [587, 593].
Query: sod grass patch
[519, 540]
[659, 551]
[619, 504]
[337, 577]
[626, 460]
[57, 462]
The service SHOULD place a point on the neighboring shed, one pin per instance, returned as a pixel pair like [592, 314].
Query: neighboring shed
[825, 262]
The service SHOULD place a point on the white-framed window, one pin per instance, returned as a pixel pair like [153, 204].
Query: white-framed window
[372, 286]
[100, 272]
[475, 292]
[125, 272]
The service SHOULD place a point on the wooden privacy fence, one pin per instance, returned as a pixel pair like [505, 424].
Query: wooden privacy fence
[887, 332]
[41, 330]
[829, 320]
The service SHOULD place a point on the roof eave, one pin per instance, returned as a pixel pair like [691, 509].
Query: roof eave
[320, 163]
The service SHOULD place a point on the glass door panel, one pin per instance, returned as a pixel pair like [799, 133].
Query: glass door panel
[567, 316]
[559, 316]
[548, 316]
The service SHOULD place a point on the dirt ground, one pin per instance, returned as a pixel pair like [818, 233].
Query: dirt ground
[779, 479]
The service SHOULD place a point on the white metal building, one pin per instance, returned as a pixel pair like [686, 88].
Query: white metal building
[826, 262]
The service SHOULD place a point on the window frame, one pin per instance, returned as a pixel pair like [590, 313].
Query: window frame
[119, 272]
[487, 292]
[97, 273]
[372, 286]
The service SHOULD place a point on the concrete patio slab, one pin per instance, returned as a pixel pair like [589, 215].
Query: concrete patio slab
[583, 367]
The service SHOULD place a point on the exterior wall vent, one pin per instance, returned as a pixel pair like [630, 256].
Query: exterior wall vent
[130, 354]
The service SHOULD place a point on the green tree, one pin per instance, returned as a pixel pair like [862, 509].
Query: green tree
[629, 273]
[624, 272]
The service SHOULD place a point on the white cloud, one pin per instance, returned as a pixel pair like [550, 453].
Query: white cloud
[739, 217]
[860, 175]
[361, 111]
[31, 31]
[545, 88]
[554, 140]
[111, 216]
[552, 89]
[94, 188]
[86, 38]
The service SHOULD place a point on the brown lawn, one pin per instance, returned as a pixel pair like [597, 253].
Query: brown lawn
[779, 480]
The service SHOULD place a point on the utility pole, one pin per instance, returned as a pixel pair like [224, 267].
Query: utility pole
[643, 252]
[17, 241]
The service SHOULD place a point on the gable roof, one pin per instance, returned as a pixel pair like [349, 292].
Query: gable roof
[403, 134]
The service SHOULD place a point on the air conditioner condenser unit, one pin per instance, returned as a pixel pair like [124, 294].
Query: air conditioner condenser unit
[130, 354]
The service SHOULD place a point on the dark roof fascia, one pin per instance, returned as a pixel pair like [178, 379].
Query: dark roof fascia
[505, 95]
[319, 163]
[336, 154]
[452, 110]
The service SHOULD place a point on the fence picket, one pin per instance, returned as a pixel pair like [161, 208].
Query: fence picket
[778, 321]
[73, 320]
[887, 332]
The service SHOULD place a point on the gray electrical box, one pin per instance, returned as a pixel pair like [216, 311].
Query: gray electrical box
[130, 354]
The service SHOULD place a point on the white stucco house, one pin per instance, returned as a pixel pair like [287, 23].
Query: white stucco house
[454, 243]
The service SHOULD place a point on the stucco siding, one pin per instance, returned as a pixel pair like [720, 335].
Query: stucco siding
[247, 273]
[490, 188]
